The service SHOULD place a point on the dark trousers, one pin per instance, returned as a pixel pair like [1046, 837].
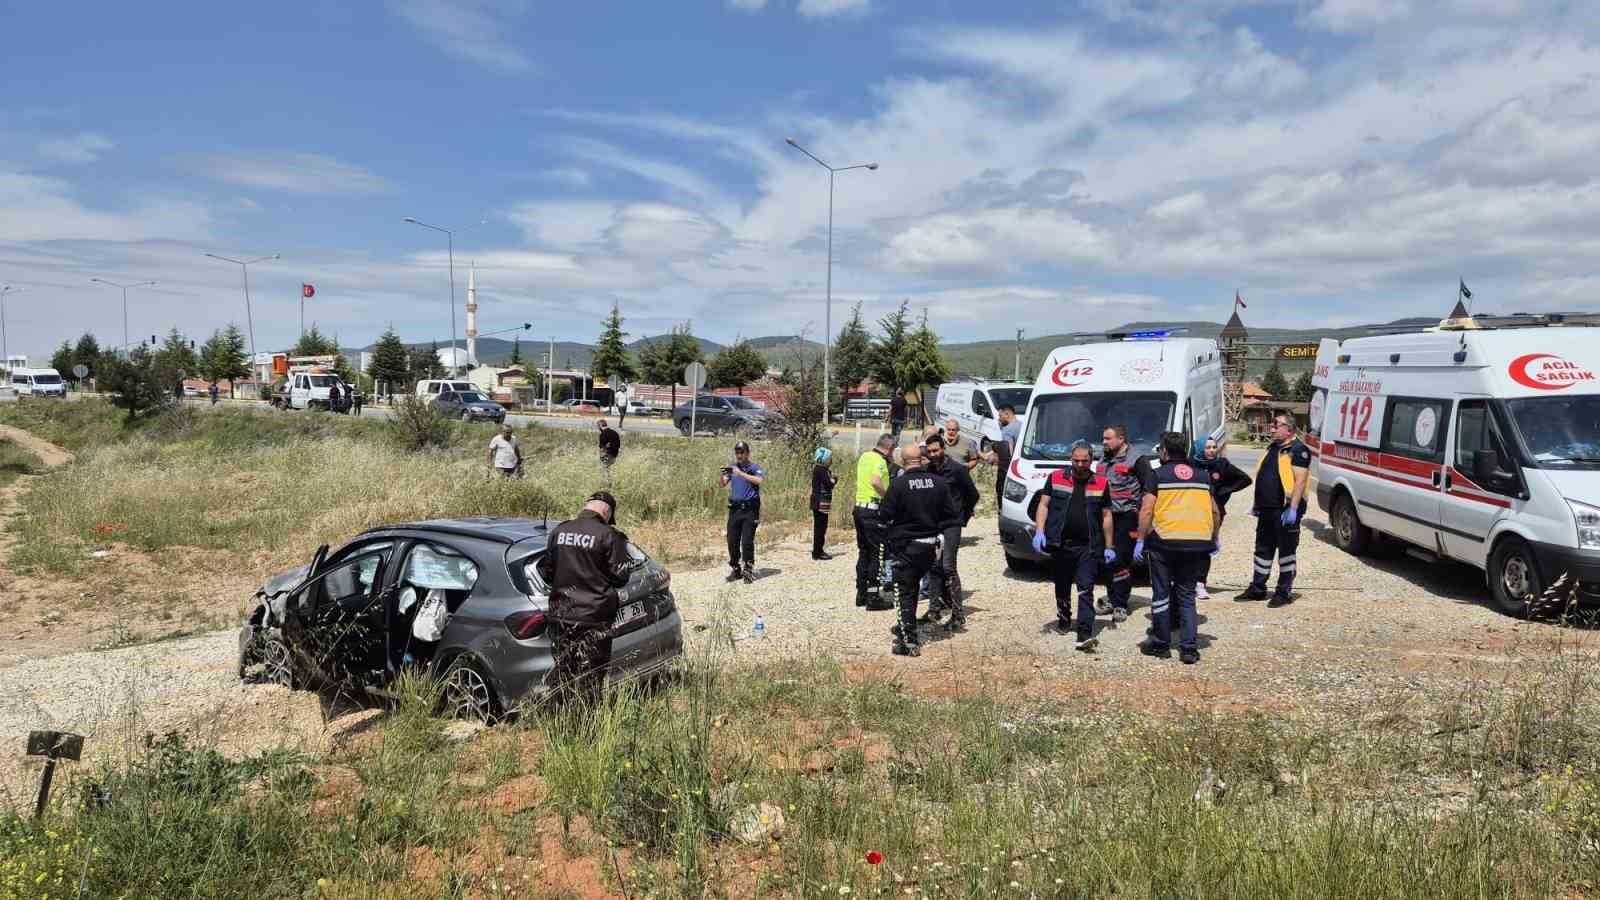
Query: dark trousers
[944, 580]
[912, 560]
[1173, 574]
[743, 517]
[1119, 575]
[581, 654]
[1076, 565]
[1273, 538]
[896, 426]
[869, 551]
[819, 531]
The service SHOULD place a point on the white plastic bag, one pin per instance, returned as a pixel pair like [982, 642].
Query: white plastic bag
[431, 617]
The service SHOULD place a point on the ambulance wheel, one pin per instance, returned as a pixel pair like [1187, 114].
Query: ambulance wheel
[1514, 579]
[1348, 532]
[1018, 564]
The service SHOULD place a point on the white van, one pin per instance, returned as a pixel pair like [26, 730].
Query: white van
[1148, 381]
[38, 383]
[309, 390]
[430, 388]
[1478, 440]
[976, 405]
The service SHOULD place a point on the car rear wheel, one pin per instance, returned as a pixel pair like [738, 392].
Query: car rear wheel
[466, 416]
[1348, 532]
[1514, 579]
[683, 426]
[465, 694]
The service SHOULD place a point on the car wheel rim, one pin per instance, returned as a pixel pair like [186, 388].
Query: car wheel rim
[467, 695]
[276, 666]
[1517, 577]
[1347, 525]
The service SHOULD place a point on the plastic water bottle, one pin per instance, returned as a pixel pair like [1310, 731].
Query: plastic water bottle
[760, 630]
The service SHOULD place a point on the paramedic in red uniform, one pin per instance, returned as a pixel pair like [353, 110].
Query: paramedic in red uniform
[1280, 503]
[1070, 523]
[1125, 473]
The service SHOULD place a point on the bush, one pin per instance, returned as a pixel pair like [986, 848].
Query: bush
[418, 425]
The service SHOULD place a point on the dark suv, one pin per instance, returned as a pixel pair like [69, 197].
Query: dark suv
[718, 414]
[460, 599]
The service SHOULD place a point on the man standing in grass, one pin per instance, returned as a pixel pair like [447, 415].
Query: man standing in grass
[586, 564]
[872, 480]
[610, 444]
[505, 454]
[743, 481]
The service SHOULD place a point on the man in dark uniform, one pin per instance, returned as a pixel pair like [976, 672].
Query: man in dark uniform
[587, 561]
[1125, 473]
[743, 481]
[1280, 503]
[610, 444]
[1178, 518]
[916, 511]
[944, 582]
[1070, 525]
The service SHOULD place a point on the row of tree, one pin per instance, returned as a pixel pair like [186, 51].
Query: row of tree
[223, 357]
[1275, 383]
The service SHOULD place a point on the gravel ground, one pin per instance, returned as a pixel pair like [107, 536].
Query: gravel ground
[1361, 629]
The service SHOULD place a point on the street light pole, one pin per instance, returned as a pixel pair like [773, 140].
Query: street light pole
[249, 319]
[827, 316]
[5, 346]
[124, 288]
[450, 247]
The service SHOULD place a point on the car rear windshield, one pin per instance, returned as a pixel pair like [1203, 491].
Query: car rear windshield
[322, 380]
[1016, 398]
[1058, 421]
[1560, 432]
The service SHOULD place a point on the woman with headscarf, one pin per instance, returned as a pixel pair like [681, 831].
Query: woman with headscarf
[1227, 479]
[822, 482]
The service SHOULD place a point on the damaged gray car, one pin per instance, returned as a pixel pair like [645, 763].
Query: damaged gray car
[461, 599]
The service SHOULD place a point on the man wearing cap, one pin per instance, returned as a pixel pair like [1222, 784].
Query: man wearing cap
[916, 510]
[872, 480]
[585, 565]
[505, 454]
[743, 481]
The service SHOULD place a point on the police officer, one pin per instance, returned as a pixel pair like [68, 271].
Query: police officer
[872, 480]
[1280, 503]
[1178, 522]
[1125, 474]
[743, 481]
[916, 510]
[1070, 525]
[945, 577]
[587, 562]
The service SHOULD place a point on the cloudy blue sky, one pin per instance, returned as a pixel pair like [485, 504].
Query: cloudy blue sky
[1045, 166]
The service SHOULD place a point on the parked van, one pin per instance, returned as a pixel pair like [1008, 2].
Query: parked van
[976, 405]
[1148, 381]
[38, 383]
[1477, 440]
[309, 389]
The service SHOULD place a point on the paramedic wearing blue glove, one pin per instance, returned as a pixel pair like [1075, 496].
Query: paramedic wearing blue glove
[1280, 503]
[1178, 518]
[1070, 521]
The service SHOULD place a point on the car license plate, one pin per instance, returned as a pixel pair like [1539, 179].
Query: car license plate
[629, 614]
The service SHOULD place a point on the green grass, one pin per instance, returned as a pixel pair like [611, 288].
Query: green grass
[17, 461]
[986, 796]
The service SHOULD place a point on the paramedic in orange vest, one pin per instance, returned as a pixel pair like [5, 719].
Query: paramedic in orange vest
[1178, 518]
[1280, 503]
[1071, 522]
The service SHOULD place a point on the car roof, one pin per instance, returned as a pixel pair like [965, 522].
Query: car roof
[499, 529]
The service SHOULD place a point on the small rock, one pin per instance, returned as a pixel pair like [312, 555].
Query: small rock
[819, 761]
[1211, 789]
[758, 824]
[463, 730]
[1288, 779]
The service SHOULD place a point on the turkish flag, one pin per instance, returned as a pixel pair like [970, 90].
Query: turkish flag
[307, 290]
[1236, 299]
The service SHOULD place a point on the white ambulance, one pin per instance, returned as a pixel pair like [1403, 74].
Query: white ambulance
[1149, 381]
[1477, 440]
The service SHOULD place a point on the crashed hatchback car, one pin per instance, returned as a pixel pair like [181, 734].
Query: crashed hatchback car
[461, 599]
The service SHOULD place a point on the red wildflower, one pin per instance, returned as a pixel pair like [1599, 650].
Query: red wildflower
[874, 857]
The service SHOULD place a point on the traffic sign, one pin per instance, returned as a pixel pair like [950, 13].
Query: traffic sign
[80, 370]
[694, 375]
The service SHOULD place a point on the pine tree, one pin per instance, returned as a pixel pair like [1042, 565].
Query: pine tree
[736, 366]
[134, 383]
[886, 352]
[389, 365]
[851, 358]
[234, 362]
[87, 353]
[176, 359]
[611, 355]
[516, 352]
[683, 348]
[61, 361]
[314, 343]
[1303, 388]
[921, 363]
[1274, 383]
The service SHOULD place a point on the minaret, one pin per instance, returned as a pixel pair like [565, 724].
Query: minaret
[472, 315]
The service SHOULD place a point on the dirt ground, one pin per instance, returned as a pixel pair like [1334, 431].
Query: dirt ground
[1362, 628]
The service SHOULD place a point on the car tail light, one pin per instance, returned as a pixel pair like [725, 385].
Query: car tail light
[527, 625]
[663, 579]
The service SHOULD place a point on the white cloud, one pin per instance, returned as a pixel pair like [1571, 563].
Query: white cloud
[748, 5]
[83, 147]
[37, 208]
[1356, 15]
[474, 31]
[297, 173]
[568, 176]
[824, 9]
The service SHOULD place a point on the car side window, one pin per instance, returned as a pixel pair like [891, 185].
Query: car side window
[351, 584]
[980, 405]
[434, 567]
[1188, 422]
[706, 403]
[1476, 430]
[1414, 428]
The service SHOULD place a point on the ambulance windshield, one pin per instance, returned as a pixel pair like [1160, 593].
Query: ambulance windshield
[1560, 432]
[1056, 422]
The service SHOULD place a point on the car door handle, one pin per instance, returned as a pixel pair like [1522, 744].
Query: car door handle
[1447, 481]
[1437, 474]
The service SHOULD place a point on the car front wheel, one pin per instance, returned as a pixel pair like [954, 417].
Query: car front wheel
[466, 416]
[1514, 579]
[683, 426]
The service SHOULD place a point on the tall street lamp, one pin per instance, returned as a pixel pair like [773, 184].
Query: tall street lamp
[450, 247]
[827, 343]
[249, 320]
[124, 288]
[5, 347]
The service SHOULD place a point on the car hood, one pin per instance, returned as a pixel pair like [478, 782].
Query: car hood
[484, 404]
[281, 582]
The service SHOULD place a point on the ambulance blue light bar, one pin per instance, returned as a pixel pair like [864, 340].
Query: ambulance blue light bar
[1154, 334]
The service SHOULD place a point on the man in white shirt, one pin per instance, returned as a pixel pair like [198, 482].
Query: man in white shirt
[505, 454]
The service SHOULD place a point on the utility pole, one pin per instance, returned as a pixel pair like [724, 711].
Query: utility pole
[549, 385]
[1018, 375]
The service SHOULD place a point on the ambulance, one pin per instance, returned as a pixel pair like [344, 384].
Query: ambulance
[1149, 381]
[1477, 440]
